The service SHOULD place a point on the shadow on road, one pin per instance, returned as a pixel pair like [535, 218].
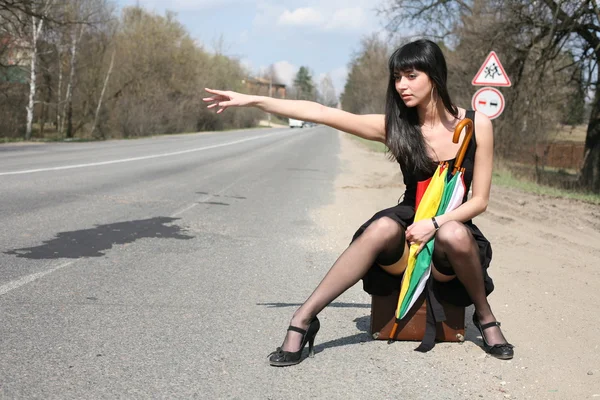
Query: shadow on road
[333, 305]
[363, 325]
[94, 242]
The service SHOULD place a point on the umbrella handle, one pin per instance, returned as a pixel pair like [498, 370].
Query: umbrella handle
[463, 147]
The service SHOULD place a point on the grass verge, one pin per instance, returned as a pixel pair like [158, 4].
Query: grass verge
[503, 177]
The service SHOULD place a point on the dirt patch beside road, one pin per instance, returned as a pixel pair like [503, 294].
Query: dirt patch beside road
[546, 270]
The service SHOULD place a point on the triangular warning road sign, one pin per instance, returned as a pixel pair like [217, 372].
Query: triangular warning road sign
[491, 73]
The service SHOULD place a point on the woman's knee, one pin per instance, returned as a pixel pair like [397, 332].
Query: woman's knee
[385, 230]
[454, 236]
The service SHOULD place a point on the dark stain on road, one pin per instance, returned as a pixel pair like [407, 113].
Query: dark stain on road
[216, 203]
[95, 241]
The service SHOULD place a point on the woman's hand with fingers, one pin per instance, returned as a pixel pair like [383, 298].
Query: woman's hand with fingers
[222, 99]
[420, 232]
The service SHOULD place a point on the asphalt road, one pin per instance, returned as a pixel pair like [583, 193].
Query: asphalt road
[160, 267]
[169, 267]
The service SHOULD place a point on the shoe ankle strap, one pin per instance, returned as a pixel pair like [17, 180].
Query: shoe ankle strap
[489, 325]
[296, 329]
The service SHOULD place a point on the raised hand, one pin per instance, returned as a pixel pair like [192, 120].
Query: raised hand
[225, 99]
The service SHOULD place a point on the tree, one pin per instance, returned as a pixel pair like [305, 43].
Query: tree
[538, 37]
[40, 24]
[89, 13]
[37, 23]
[98, 77]
[327, 94]
[364, 92]
[101, 98]
[575, 111]
[303, 83]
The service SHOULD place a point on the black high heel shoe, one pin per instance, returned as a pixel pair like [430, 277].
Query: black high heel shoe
[280, 358]
[503, 351]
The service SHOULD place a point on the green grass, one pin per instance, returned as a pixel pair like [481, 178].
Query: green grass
[11, 140]
[503, 177]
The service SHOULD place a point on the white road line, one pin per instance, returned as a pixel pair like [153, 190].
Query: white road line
[124, 160]
[186, 209]
[206, 198]
[29, 278]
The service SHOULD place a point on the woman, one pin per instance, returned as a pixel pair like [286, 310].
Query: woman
[417, 128]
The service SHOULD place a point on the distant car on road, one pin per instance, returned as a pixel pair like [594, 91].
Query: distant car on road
[296, 123]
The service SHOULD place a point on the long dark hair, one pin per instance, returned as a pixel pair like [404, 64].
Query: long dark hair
[402, 129]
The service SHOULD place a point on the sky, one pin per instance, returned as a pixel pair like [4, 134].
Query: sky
[320, 34]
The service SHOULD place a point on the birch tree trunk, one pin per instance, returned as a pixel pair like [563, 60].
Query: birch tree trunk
[69, 95]
[59, 126]
[112, 62]
[36, 28]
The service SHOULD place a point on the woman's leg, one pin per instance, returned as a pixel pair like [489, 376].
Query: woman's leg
[383, 241]
[456, 253]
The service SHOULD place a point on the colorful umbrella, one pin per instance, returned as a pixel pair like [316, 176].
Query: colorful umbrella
[442, 193]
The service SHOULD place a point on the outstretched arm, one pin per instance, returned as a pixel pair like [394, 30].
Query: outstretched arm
[371, 127]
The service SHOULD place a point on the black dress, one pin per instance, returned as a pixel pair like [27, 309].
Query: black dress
[378, 282]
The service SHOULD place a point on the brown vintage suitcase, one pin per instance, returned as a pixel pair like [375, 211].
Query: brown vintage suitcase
[413, 326]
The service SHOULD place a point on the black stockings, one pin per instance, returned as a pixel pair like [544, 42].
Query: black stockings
[456, 252]
[382, 241]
